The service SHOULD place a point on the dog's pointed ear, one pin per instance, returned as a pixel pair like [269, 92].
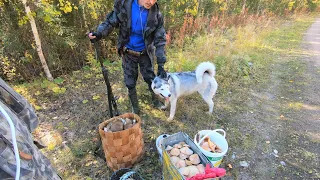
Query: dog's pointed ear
[155, 79]
[168, 77]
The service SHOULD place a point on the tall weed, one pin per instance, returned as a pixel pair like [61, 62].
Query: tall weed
[233, 51]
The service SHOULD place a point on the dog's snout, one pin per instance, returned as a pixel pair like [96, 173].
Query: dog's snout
[169, 95]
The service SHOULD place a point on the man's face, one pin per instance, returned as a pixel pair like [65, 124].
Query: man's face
[149, 3]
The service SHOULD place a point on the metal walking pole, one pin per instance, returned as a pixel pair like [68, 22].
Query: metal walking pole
[113, 108]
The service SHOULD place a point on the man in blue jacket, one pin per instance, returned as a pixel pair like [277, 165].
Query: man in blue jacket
[141, 37]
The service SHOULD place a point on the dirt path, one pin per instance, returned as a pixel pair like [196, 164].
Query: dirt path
[279, 132]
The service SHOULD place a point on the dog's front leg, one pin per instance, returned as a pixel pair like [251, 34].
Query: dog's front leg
[166, 103]
[173, 105]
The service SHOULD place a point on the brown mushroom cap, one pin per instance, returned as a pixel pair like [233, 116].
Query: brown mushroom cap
[175, 152]
[194, 158]
[186, 150]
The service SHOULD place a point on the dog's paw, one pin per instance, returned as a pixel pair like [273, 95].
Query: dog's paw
[170, 119]
[163, 107]
[209, 113]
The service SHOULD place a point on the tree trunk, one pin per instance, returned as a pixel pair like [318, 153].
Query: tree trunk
[243, 6]
[84, 17]
[37, 39]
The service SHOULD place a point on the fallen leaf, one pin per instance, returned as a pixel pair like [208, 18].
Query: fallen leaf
[95, 97]
[88, 164]
[281, 116]
[230, 166]
[244, 164]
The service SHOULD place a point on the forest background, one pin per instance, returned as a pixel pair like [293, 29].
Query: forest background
[60, 27]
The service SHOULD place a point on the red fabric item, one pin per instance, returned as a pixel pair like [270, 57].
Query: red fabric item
[209, 173]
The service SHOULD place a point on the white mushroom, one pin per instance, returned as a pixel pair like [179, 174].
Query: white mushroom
[175, 160]
[175, 152]
[168, 148]
[186, 150]
[184, 171]
[194, 158]
[177, 146]
[201, 168]
[193, 170]
[183, 156]
[181, 163]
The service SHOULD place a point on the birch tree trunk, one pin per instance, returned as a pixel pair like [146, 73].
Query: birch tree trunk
[37, 39]
[243, 6]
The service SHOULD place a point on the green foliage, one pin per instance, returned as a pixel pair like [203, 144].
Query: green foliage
[58, 90]
[91, 60]
[52, 86]
[86, 67]
[63, 24]
[58, 80]
[243, 64]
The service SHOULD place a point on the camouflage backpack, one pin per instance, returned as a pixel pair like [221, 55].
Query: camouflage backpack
[34, 165]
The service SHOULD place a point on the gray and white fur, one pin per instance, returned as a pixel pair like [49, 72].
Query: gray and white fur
[179, 84]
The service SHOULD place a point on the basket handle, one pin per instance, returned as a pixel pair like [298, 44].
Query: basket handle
[221, 130]
[216, 130]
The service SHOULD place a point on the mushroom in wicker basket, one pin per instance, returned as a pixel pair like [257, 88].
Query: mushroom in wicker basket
[122, 140]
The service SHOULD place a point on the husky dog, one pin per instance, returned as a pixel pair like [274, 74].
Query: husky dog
[184, 83]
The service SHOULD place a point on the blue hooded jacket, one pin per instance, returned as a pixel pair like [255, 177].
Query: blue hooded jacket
[138, 23]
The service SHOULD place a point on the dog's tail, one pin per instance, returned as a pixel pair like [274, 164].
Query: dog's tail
[205, 67]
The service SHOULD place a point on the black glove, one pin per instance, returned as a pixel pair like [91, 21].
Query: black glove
[161, 72]
[98, 36]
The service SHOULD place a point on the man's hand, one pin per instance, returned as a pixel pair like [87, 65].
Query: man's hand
[161, 72]
[94, 36]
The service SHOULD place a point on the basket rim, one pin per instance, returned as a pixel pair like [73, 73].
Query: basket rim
[106, 122]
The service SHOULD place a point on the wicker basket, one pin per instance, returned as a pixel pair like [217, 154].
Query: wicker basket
[123, 148]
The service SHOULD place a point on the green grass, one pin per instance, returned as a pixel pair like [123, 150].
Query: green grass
[243, 57]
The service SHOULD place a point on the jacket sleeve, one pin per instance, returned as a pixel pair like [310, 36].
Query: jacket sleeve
[111, 22]
[160, 41]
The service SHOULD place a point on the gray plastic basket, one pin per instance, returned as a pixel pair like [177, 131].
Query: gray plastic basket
[174, 139]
